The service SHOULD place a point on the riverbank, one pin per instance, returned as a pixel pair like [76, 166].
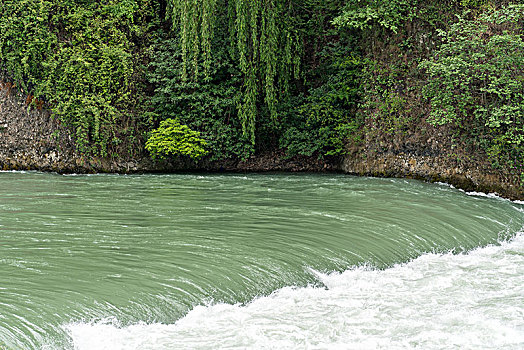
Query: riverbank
[30, 139]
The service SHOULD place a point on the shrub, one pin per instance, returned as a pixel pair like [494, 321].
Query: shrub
[175, 139]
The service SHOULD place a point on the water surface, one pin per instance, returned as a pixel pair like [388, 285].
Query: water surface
[257, 261]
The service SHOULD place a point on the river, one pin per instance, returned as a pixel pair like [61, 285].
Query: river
[257, 261]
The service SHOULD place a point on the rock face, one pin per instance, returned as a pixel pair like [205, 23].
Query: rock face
[30, 139]
[435, 154]
[435, 169]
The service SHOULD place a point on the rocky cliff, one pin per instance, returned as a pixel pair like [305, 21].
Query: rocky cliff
[29, 137]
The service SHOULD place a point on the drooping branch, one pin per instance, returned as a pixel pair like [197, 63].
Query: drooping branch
[263, 43]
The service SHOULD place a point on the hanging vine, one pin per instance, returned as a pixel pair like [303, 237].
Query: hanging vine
[263, 41]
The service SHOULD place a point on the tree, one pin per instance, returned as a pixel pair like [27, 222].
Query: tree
[263, 40]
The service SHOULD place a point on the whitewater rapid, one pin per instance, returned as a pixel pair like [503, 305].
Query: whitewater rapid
[437, 301]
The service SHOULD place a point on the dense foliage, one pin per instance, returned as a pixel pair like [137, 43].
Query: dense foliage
[205, 104]
[262, 42]
[476, 80]
[79, 57]
[235, 73]
[229, 78]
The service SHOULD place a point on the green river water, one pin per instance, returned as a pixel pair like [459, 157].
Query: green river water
[256, 261]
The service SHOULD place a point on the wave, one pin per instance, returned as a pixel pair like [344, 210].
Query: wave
[437, 301]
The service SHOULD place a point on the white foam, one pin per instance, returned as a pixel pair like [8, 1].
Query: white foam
[480, 194]
[491, 195]
[467, 301]
[444, 184]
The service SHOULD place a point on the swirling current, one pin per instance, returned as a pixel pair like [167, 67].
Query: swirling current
[256, 261]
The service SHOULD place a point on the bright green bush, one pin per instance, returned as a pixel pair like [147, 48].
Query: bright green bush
[175, 139]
